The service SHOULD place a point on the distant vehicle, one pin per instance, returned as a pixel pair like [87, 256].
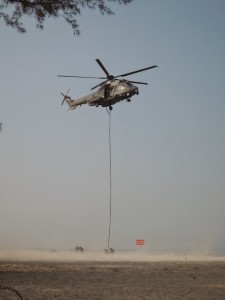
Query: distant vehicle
[111, 91]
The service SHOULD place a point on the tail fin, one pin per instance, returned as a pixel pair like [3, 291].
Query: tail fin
[71, 103]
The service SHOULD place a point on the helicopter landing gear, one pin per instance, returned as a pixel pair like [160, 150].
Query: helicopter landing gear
[128, 100]
[110, 107]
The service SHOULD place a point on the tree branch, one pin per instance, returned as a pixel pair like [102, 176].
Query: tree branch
[41, 9]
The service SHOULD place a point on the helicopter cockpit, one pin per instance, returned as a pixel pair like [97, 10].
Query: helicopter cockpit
[127, 84]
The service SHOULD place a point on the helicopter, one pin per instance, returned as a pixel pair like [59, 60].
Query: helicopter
[111, 91]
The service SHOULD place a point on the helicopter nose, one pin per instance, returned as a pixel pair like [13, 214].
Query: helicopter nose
[135, 90]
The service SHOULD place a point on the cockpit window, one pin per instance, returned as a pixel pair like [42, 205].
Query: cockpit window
[129, 83]
[126, 84]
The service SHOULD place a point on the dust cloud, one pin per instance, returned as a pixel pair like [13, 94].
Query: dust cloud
[120, 256]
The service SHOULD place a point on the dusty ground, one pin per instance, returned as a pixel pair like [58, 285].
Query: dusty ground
[113, 280]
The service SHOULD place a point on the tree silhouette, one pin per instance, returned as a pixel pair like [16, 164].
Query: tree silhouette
[13, 11]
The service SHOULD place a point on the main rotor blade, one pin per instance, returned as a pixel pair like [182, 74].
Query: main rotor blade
[130, 73]
[138, 82]
[103, 68]
[80, 76]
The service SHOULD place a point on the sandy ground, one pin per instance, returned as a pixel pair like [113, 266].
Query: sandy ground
[113, 278]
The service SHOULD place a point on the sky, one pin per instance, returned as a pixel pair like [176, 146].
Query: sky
[168, 143]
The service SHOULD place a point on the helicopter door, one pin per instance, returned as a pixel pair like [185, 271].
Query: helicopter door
[106, 91]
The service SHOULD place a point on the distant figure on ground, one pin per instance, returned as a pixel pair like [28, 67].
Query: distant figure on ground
[109, 251]
[79, 249]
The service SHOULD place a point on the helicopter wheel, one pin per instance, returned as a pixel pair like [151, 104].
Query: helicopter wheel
[128, 100]
[110, 107]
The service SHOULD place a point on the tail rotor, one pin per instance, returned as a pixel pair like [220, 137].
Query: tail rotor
[65, 97]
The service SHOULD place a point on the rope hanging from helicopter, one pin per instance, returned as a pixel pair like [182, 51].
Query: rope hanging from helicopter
[125, 90]
[110, 180]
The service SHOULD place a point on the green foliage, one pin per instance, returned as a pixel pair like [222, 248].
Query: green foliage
[13, 11]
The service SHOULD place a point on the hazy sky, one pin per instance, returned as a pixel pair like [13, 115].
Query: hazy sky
[168, 143]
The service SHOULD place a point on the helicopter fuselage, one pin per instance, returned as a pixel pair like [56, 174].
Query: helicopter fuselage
[109, 93]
